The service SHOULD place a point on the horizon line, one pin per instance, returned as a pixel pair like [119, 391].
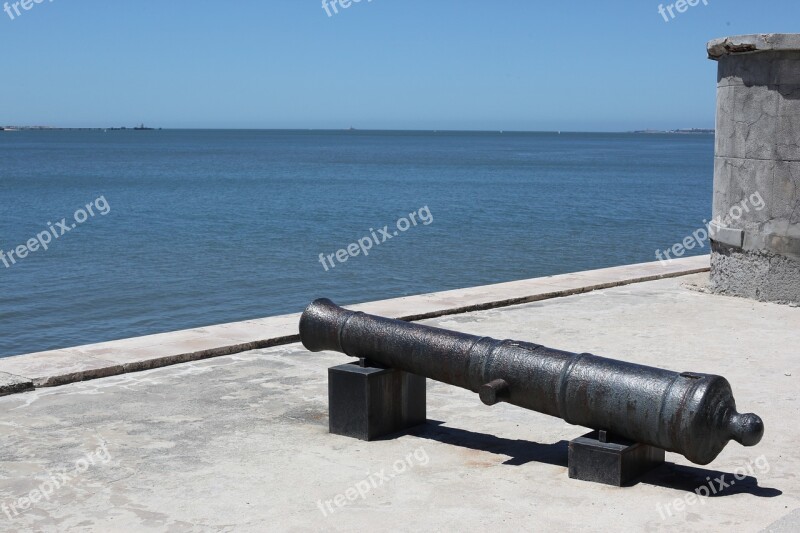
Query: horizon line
[444, 130]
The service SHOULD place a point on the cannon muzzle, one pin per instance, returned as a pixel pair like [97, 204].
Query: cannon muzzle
[688, 413]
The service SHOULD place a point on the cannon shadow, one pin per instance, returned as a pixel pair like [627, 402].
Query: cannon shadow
[520, 452]
[692, 478]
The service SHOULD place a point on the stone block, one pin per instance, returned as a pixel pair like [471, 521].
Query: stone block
[368, 403]
[611, 460]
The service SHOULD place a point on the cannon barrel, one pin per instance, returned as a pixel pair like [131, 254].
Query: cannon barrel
[688, 413]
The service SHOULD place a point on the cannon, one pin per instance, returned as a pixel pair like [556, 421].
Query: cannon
[684, 412]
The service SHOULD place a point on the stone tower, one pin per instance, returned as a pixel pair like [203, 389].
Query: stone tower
[755, 248]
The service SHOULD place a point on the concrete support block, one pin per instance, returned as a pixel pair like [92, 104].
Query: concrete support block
[611, 460]
[367, 403]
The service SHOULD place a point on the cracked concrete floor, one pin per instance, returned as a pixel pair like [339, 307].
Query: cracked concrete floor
[240, 443]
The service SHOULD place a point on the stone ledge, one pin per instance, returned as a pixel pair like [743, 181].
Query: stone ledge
[11, 384]
[59, 367]
[756, 42]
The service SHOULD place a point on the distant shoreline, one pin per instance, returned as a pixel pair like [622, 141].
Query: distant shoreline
[692, 131]
[52, 128]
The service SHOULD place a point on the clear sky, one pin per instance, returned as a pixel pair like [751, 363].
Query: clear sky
[587, 65]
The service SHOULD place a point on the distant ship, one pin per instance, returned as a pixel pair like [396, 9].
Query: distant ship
[141, 127]
[8, 129]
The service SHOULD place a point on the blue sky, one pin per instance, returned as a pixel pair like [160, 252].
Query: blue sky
[585, 65]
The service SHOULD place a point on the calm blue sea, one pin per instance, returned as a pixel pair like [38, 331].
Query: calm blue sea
[204, 227]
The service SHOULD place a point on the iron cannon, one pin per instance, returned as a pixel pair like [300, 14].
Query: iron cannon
[684, 412]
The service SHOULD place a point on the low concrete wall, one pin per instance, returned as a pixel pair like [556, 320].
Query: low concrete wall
[69, 365]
